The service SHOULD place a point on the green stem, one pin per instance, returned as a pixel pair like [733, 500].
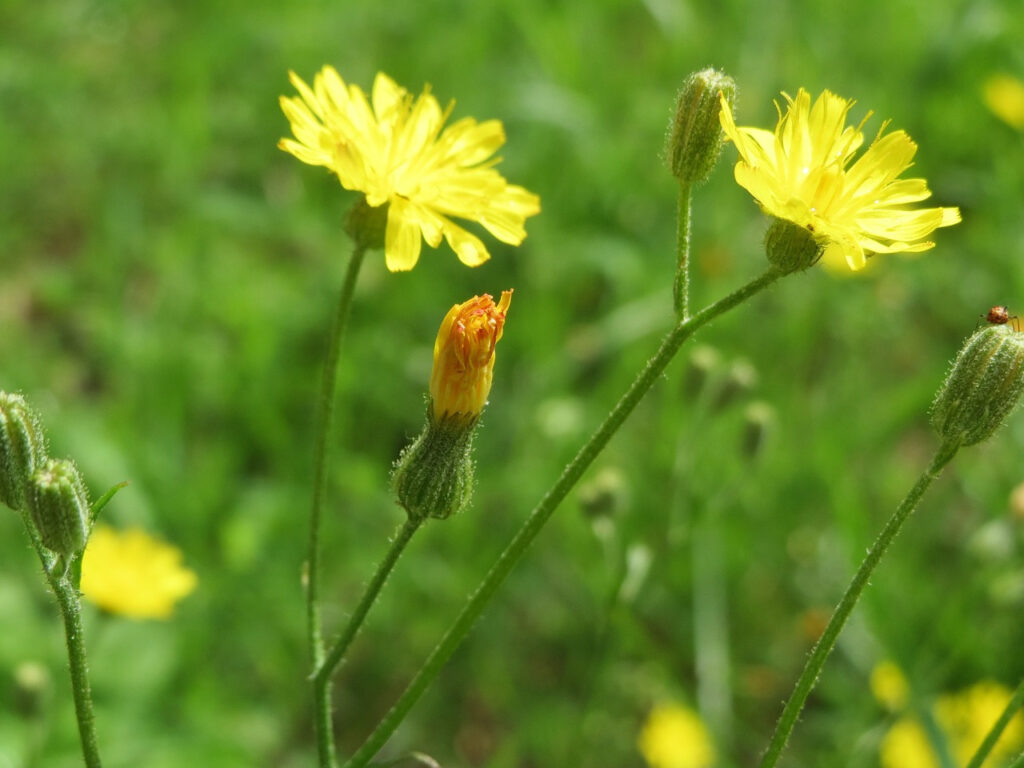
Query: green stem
[325, 417]
[322, 676]
[70, 608]
[997, 730]
[681, 286]
[824, 646]
[1018, 763]
[535, 522]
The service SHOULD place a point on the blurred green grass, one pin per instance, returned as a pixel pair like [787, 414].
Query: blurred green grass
[168, 274]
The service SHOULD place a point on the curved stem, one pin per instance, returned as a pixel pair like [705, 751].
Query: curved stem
[70, 608]
[1015, 703]
[322, 676]
[824, 646]
[535, 522]
[325, 418]
[681, 286]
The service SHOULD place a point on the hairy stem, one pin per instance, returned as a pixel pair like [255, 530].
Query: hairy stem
[325, 418]
[815, 662]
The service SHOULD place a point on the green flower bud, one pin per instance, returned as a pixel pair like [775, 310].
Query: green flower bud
[434, 476]
[22, 448]
[703, 363]
[59, 505]
[982, 387]
[739, 381]
[758, 420]
[365, 225]
[605, 495]
[791, 247]
[695, 135]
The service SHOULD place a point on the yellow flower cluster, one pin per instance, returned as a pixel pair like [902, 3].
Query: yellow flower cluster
[674, 736]
[802, 172]
[965, 719]
[398, 152]
[132, 574]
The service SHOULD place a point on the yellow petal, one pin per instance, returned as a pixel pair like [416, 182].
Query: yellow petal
[402, 241]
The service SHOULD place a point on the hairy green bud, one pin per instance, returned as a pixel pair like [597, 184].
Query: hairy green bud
[695, 136]
[434, 476]
[22, 448]
[59, 505]
[982, 387]
[790, 247]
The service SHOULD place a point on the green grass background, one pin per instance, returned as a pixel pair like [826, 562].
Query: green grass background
[167, 275]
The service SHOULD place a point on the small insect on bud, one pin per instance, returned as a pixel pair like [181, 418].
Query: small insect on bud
[59, 506]
[22, 448]
[790, 247]
[1000, 315]
[982, 387]
[695, 135]
[434, 475]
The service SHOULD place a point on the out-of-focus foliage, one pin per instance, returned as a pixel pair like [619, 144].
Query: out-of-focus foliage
[168, 274]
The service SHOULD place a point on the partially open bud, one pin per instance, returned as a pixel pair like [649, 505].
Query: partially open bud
[982, 387]
[790, 247]
[434, 476]
[695, 136]
[22, 449]
[59, 505]
[464, 355]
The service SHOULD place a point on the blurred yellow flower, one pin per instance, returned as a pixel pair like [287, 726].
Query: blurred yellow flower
[889, 686]
[396, 150]
[1004, 96]
[464, 355]
[799, 173]
[674, 736]
[965, 719]
[133, 574]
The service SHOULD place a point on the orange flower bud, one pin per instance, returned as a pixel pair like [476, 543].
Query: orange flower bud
[464, 355]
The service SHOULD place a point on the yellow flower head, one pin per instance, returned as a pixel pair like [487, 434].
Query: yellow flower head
[965, 719]
[397, 151]
[133, 574]
[464, 355]
[1004, 96]
[675, 737]
[799, 173]
[889, 686]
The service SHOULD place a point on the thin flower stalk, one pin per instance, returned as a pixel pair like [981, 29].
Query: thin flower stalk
[543, 511]
[816, 661]
[325, 420]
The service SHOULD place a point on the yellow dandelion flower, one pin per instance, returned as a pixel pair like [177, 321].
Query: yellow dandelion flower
[397, 151]
[800, 173]
[965, 719]
[464, 355]
[1004, 96]
[674, 736]
[133, 574]
[889, 686]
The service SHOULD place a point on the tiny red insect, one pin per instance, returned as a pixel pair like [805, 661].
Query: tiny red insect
[1000, 315]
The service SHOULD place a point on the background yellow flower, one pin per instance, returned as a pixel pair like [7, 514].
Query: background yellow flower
[965, 719]
[674, 736]
[133, 574]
